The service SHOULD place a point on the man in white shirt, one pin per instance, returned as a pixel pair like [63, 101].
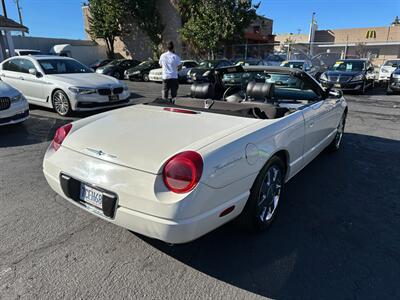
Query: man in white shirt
[170, 62]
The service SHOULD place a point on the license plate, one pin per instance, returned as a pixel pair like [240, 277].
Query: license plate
[336, 85]
[91, 196]
[113, 98]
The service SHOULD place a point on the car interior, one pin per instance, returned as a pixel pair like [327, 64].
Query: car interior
[263, 95]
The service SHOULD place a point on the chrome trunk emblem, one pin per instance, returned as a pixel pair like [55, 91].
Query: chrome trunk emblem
[101, 153]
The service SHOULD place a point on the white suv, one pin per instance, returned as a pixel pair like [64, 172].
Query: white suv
[387, 69]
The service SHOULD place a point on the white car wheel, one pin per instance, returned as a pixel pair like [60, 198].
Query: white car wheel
[262, 205]
[335, 145]
[61, 103]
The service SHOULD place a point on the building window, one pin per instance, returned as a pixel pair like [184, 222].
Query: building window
[256, 29]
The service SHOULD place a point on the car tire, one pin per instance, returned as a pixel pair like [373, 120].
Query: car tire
[61, 103]
[145, 77]
[117, 75]
[363, 89]
[337, 141]
[261, 207]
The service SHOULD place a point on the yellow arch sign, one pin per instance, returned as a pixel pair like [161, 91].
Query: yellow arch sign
[371, 34]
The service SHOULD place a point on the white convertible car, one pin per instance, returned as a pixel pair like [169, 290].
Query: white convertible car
[176, 171]
[62, 83]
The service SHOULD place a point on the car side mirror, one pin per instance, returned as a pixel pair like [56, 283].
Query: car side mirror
[32, 71]
[335, 93]
[371, 69]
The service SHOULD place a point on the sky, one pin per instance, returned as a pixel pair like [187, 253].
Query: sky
[63, 18]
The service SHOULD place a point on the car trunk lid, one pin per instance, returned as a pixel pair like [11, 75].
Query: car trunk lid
[143, 137]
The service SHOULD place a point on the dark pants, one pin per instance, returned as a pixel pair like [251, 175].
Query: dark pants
[169, 84]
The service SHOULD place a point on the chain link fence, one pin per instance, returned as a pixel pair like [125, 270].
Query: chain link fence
[317, 53]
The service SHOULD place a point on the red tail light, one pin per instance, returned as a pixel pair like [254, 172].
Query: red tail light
[60, 136]
[182, 172]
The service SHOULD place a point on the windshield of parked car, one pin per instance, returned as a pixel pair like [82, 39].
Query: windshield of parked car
[293, 64]
[115, 62]
[145, 64]
[208, 64]
[29, 52]
[348, 66]
[62, 66]
[248, 62]
[392, 63]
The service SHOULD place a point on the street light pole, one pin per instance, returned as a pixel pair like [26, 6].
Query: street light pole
[19, 14]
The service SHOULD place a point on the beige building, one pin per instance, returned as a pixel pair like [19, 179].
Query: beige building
[136, 44]
[377, 43]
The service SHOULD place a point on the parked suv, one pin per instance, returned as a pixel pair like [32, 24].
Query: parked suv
[394, 82]
[350, 75]
[387, 69]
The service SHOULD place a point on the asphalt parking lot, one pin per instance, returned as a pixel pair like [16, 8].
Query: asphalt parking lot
[337, 235]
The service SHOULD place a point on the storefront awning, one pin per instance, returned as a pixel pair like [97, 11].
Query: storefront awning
[10, 25]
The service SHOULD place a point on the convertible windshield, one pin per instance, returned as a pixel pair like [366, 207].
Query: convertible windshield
[348, 66]
[62, 66]
[279, 79]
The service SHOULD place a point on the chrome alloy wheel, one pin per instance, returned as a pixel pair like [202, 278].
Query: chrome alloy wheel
[61, 103]
[269, 194]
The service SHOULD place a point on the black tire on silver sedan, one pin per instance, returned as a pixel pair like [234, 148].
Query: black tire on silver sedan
[363, 88]
[265, 195]
[337, 141]
[61, 103]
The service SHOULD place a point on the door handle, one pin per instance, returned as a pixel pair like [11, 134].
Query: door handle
[311, 124]
[21, 78]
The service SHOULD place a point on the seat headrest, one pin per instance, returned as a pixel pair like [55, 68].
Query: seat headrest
[204, 90]
[260, 91]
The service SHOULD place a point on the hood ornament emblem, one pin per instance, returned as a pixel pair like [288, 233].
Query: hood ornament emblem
[101, 153]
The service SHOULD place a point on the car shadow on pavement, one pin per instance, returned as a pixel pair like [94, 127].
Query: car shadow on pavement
[336, 236]
[379, 90]
[32, 131]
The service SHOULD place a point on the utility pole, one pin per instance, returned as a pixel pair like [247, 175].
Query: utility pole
[3, 3]
[19, 14]
[311, 37]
